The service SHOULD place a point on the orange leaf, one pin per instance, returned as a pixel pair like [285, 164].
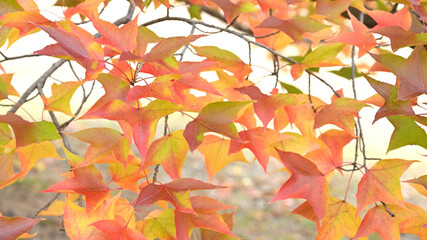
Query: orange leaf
[56, 208]
[215, 150]
[127, 178]
[381, 183]
[419, 183]
[61, 96]
[117, 231]
[306, 182]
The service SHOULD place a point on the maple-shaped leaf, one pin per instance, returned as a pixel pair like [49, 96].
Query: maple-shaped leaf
[224, 59]
[413, 220]
[160, 88]
[340, 219]
[341, 113]
[391, 105]
[145, 36]
[13, 227]
[77, 220]
[56, 208]
[103, 142]
[112, 35]
[176, 192]
[294, 27]
[207, 234]
[29, 132]
[5, 134]
[78, 44]
[406, 132]
[24, 21]
[306, 182]
[127, 178]
[61, 96]
[323, 56]
[215, 150]
[6, 87]
[215, 117]
[142, 120]
[114, 87]
[411, 72]
[265, 106]
[30, 154]
[87, 8]
[400, 37]
[117, 231]
[87, 181]
[333, 9]
[162, 53]
[260, 141]
[401, 18]
[361, 36]
[381, 183]
[420, 184]
[159, 224]
[7, 175]
[206, 217]
[170, 151]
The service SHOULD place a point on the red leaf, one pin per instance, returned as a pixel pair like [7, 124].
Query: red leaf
[305, 182]
[176, 192]
[13, 227]
[116, 231]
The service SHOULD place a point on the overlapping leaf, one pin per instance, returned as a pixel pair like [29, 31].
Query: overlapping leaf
[406, 132]
[13, 227]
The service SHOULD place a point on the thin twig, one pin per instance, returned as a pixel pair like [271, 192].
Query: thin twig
[47, 204]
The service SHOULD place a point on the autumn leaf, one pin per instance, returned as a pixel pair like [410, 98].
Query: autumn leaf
[391, 105]
[127, 178]
[24, 21]
[215, 151]
[400, 37]
[29, 132]
[215, 117]
[323, 56]
[306, 182]
[13, 227]
[207, 234]
[205, 216]
[224, 60]
[176, 192]
[87, 181]
[260, 141]
[406, 132]
[294, 27]
[103, 142]
[56, 208]
[341, 113]
[419, 183]
[360, 37]
[410, 72]
[6, 87]
[142, 120]
[170, 151]
[401, 18]
[381, 183]
[159, 224]
[61, 96]
[116, 231]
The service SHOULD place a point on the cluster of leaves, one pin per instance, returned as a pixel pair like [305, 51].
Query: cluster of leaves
[231, 114]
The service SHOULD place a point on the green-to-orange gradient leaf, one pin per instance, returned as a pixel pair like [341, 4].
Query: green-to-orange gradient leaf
[411, 72]
[391, 105]
[103, 142]
[6, 87]
[176, 192]
[420, 184]
[207, 234]
[295, 27]
[215, 150]
[159, 224]
[341, 113]
[215, 117]
[170, 151]
[224, 60]
[127, 178]
[142, 120]
[13, 227]
[87, 181]
[306, 182]
[206, 216]
[61, 96]
[381, 183]
[406, 132]
[29, 132]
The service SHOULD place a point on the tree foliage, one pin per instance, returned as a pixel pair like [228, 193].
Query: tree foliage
[149, 82]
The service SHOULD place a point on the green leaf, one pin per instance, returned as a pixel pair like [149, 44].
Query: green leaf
[195, 11]
[345, 72]
[406, 132]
